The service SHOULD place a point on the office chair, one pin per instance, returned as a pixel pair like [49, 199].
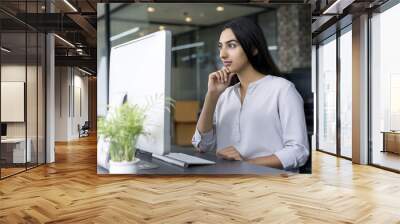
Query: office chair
[307, 167]
[84, 130]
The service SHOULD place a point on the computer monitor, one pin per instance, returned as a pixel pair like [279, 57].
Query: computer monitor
[141, 68]
[3, 129]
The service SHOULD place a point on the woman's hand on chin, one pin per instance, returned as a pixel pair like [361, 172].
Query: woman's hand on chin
[218, 81]
[229, 153]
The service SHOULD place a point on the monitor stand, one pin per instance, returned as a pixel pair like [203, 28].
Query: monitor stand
[142, 164]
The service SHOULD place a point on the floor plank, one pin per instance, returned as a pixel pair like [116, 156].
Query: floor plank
[70, 191]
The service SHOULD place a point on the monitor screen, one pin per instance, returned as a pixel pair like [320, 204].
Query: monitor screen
[3, 129]
[141, 69]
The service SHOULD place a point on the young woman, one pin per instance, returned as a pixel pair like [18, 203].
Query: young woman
[260, 119]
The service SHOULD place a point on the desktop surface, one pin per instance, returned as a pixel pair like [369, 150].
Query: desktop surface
[221, 167]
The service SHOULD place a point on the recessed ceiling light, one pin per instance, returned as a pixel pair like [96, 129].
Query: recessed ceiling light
[220, 8]
[188, 19]
[43, 7]
[151, 9]
[162, 27]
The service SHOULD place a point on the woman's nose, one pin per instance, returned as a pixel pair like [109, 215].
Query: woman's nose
[222, 53]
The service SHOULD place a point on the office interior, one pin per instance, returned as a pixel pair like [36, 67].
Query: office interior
[355, 139]
[357, 83]
[48, 81]
[76, 82]
[195, 54]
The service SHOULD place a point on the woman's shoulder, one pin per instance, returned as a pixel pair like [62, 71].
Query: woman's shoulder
[284, 87]
[279, 81]
[276, 83]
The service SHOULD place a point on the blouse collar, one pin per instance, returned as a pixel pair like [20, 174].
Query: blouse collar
[252, 85]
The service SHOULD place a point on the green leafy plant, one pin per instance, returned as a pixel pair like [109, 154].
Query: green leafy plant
[122, 128]
[125, 124]
[156, 99]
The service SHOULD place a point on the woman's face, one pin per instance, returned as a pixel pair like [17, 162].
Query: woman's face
[230, 51]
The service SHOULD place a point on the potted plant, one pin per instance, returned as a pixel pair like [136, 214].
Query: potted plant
[122, 128]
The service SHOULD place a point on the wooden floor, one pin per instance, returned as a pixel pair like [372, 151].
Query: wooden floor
[70, 191]
[10, 171]
[387, 159]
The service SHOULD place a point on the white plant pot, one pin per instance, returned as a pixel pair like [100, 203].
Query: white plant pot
[124, 167]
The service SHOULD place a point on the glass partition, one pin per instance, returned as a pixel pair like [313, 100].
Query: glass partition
[327, 95]
[13, 104]
[22, 88]
[41, 96]
[31, 99]
[385, 89]
[346, 93]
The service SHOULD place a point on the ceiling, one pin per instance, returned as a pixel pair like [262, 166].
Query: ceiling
[76, 26]
[330, 16]
[126, 17]
[202, 14]
[80, 27]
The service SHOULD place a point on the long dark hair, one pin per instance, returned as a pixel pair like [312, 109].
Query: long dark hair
[251, 37]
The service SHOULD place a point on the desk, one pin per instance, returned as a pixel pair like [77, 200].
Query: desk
[391, 141]
[17, 150]
[221, 167]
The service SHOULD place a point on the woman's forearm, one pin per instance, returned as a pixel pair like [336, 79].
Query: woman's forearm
[205, 122]
[271, 161]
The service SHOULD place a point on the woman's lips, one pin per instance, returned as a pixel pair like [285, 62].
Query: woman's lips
[227, 63]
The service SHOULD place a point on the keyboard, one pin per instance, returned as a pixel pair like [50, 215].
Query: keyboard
[188, 159]
[182, 160]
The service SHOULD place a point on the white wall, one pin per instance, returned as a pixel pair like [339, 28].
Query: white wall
[80, 83]
[10, 73]
[17, 72]
[33, 126]
[70, 83]
[61, 103]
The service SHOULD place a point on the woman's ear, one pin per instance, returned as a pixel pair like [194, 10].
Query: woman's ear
[255, 51]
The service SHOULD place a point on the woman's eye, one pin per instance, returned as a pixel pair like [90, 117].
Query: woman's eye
[232, 45]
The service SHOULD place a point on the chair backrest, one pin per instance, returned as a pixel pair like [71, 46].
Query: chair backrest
[85, 125]
[307, 167]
